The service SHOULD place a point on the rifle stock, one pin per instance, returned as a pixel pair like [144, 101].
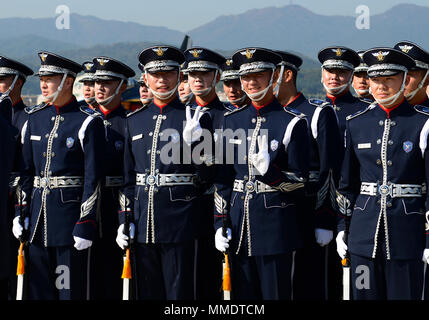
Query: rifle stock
[226, 271]
[346, 262]
[126, 271]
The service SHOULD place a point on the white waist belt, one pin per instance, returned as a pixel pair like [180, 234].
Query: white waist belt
[58, 182]
[143, 179]
[392, 190]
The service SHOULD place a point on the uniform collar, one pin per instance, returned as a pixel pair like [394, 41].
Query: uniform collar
[19, 105]
[265, 108]
[399, 108]
[344, 97]
[296, 101]
[112, 112]
[213, 104]
[166, 108]
[68, 106]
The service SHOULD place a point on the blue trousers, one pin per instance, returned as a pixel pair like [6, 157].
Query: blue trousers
[261, 277]
[165, 271]
[57, 273]
[382, 279]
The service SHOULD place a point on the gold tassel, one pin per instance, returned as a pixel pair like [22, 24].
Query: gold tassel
[126, 271]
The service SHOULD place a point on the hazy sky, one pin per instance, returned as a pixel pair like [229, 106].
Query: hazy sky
[186, 14]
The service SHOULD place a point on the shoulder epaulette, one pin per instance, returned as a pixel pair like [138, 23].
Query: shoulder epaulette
[318, 102]
[422, 109]
[360, 112]
[37, 107]
[366, 100]
[294, 112]
[228, 113]
[87, 110]
[137, 110]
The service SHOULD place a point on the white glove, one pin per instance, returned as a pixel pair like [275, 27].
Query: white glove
[81, 244]
[221, 242]
[341, 245]
[425, 257]
[122, 238]
[192, 130]
[17, 228]
[323, 236]
[261, 160]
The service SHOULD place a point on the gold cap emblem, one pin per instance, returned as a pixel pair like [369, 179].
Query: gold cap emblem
[43, 56]
[88, 66]
[102, 62]
[405, 48]
[339, 52]
[196, 53]
[228, 62]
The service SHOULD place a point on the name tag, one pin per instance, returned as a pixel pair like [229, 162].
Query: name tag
[35, 138]
[235, 141]
[139, 136]
[364, 145]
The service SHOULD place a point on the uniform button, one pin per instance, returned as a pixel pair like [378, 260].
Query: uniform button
[62, 118]
[379, 141]
[48, 191]
[53, 118]
[283, 204]
[263, 119]
[47, 135]
[41, 174]
[53, 154]
[161, 134]
[158, 152]
[245, 158]
[246, 177]
[393, 123]
[250, 196]
[164, 117]
[151, 133]
[253, 120]
[378, 202]
[389, 163]
[154, 117]
[381, 123]
[389, 204]
[148, 152]
[56, 135]
[146, 189]
[390, 142]
[249, 138]
[242, 197]
[378, 161]
[44, 154]
[188, 197]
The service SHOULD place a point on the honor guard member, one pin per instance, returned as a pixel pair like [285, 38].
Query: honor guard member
[338, 64]
[13, 75]
[88, 85]
[415, 91]
[316, 213]
[185, 92]
[203, 68]
[381, 189]
[160, 192]
[111, 78]
[266, 160]
[146, 95]
[360, 82]
[237, 98]
[62, 151]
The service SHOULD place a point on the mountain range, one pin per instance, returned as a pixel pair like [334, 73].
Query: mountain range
[291, 27]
